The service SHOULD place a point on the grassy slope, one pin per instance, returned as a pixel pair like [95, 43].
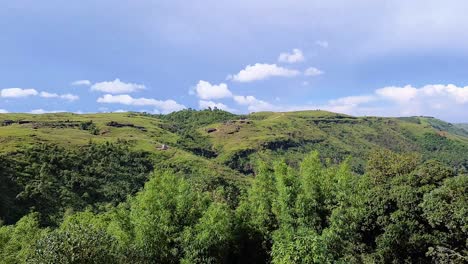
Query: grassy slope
[265, 135]
[334, 135]
[16, 136]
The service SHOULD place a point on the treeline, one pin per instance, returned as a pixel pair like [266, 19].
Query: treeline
[400, 211]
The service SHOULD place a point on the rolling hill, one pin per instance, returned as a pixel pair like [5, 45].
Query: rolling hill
[463, 126]
[228, 144]
[211, 185]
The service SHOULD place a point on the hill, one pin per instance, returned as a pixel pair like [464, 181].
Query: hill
[463, 126]
[214, 187]
[230, 144]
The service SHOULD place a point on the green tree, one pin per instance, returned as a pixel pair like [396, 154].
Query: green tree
[256, 216]
[447, 212]
[76, 243]
[17, 242]
[211, 239]
[159, 215]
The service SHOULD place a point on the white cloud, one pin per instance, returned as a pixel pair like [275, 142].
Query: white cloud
[353, 100]
[3, 111]
[48, 95]
[295, 56]
[42, 111]
[409, 93]
[398, 94]
[261, 71]
[117, 87]
[322, 43]
[312, 71]
[253, 104]
[166, 106]
[81, 83]
[448, 102]
[202, 104]
[69, 97]
[206, 90]
[17, 92]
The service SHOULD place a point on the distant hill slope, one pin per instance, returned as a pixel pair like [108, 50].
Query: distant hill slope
[219, 142]
[438, 124]
[463, 126]
[289, 135]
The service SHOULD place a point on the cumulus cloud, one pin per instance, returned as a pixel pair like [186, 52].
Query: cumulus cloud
[295, 56]
[3, 111]
[440, 91]
[69, 97]
[253, 104]
[117, 87]
[165, 106]
[17, 92]
[398, 94]
[443, 101]
[312, 71]
[202, 104]
[81, 83]
[353, 100]
[42, 111]
[448, 102]
[322, 43]
[48, 95]
[261, 71]
[206, 90]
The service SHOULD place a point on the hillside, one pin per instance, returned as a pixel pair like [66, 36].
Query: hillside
[213, 187]
[230, 144]
[463, 126]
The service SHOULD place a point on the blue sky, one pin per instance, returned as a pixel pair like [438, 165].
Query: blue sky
[386, 58]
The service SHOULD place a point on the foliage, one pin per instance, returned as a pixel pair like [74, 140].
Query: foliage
[90, 126]
[401, 198]
[186, 122]
[446, 210]
[52, 180]
[75, 244]
[189, 118]
[17, 242]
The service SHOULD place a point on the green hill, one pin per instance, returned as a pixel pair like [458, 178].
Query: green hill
[231, 143]
[463, 126]
[214, 187]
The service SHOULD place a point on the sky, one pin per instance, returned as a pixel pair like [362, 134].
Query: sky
[361, 57]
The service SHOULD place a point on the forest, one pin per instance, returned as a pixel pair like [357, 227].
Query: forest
[301, 197]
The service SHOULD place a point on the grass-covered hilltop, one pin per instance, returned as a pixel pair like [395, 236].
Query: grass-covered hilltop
[214, 187]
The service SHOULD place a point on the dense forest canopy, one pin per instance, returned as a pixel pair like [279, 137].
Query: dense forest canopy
[306, 187]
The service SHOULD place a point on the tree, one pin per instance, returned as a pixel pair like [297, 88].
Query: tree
[17, 243]
[211, 239]
[446, 210]
[159, 215]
